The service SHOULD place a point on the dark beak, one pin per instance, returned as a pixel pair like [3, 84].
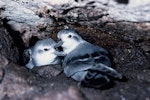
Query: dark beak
[58, 44]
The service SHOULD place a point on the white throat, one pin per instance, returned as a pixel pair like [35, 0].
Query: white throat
[70, 46]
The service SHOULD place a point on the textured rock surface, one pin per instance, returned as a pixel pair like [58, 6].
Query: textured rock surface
[122, 28]
[31, 16]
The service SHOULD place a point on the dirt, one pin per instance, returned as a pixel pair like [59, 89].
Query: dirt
[129, 45]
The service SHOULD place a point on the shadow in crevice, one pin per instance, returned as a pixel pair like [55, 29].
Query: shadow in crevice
[122, 1]
[17, 40]
[33, 40]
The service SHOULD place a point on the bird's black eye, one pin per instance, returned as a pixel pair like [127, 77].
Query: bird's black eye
[69, 36]
[46, 49]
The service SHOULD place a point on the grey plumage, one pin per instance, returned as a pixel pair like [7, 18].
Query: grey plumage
[42, 53]
[84, 62]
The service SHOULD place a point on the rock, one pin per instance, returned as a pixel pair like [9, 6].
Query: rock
[48, 71]
[3, 63]
[58, 2]
[2, 72]
[3, 60]
[8, 50]
[137, 3]
[24, 20]
[72, 94]
[36, 15]
[123, 29]
[14, 84]
[145, 46]
[2, 4]
[1, 46]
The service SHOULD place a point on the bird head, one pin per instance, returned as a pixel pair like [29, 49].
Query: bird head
[44, 45]
[68, 40]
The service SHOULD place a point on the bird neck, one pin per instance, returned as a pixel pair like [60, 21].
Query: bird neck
[68, 49]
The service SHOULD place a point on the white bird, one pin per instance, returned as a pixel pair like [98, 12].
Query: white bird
[84, 62]
[42, 53]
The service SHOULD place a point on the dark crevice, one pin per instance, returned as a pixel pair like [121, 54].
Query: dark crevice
[123, 1]
[17, 40]
[33, 40]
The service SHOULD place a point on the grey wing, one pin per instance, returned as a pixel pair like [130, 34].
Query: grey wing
[105, 70]
[75, 66]
[103, 63]
[83, 58]
[98, 57]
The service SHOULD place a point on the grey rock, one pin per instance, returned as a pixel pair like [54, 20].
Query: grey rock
[2, 73]
[48, 71]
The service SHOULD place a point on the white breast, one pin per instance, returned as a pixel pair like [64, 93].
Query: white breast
[44, 58]
[69, 46]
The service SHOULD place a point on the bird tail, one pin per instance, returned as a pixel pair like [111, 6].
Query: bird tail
[94, 79]
[99, 75]
[105, 70]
